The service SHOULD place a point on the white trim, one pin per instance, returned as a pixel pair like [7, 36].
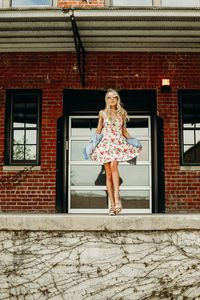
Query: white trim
[21, 168]
[94, 163]
[103, 187]
[139, 12]
[46, 12]
[105, 211]
[190, 168]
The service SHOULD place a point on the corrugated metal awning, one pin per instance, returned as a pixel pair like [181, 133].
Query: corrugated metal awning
[135, 29]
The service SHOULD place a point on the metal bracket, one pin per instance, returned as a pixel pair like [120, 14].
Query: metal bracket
[80, 51]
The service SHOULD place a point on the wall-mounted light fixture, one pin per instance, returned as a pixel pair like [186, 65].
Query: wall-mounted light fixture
[166, 88]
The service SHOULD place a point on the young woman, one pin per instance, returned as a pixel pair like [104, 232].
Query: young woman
[113, 147]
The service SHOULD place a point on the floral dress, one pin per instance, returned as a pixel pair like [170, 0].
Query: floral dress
[113, 145]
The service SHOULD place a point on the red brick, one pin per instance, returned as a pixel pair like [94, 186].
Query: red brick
[36, 192]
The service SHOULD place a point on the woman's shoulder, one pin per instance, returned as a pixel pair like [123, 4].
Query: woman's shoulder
[102, 113]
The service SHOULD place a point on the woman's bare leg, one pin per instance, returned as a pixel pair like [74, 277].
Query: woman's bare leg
[115, 179]
[109, 183]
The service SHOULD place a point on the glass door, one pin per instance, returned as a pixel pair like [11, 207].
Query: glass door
[86, 179]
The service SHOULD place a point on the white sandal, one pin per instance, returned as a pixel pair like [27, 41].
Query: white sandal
[112, 211]
[118, 207]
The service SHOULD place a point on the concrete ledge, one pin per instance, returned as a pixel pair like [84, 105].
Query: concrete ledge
[76, 222]
[21, 168]
[190, 168]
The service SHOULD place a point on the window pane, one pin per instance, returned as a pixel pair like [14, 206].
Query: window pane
[197, 148]
[88, 175]
[30, 2]
[86, 127]
[18, 137]
[18, 125]
[186, 148]
[134, 175]
[30, 152]
[98, 199]
[31, 113]
[18, 152]
[144, 155]
[25, 109]
[189, 153]
[188, 114]
[18, 113]
[188, 136]
[77, 150]
[138, 127]
[31, 136]
[30, 125]
[95, 175]
[189, 125]
[89, 199]
[181, 3]
[83, 127]
[197, 136]
[78, 146]
[135, 199]
[131, 2]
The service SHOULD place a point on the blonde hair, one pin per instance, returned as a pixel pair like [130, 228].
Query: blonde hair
[120, 110]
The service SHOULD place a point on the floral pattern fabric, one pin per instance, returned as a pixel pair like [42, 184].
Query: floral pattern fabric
[113, 145]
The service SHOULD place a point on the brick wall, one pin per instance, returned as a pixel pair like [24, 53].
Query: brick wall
[52, 72]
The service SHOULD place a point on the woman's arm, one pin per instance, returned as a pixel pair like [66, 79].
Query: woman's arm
[100, 123]
[125, 132]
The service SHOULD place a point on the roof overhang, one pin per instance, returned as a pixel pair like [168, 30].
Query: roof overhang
[132, 30]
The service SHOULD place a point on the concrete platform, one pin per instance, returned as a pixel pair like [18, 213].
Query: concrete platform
[79, 222]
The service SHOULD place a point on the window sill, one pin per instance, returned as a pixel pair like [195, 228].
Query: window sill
[21, 168]
[190, 168]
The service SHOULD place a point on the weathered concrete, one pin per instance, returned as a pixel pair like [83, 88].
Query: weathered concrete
[78, 222]
[99, 257]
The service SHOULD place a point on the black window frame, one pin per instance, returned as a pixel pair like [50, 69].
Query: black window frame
[10, 94]
[185, 95]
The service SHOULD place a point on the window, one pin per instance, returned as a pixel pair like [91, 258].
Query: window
[132, 2]
[167, 3]
[183, 3]
[23, 110]
[189, 105]
[31, 3]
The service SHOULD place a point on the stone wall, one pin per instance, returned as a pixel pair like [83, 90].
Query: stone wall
[87, 257]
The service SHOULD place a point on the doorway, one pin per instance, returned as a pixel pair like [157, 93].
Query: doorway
[83, 181]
